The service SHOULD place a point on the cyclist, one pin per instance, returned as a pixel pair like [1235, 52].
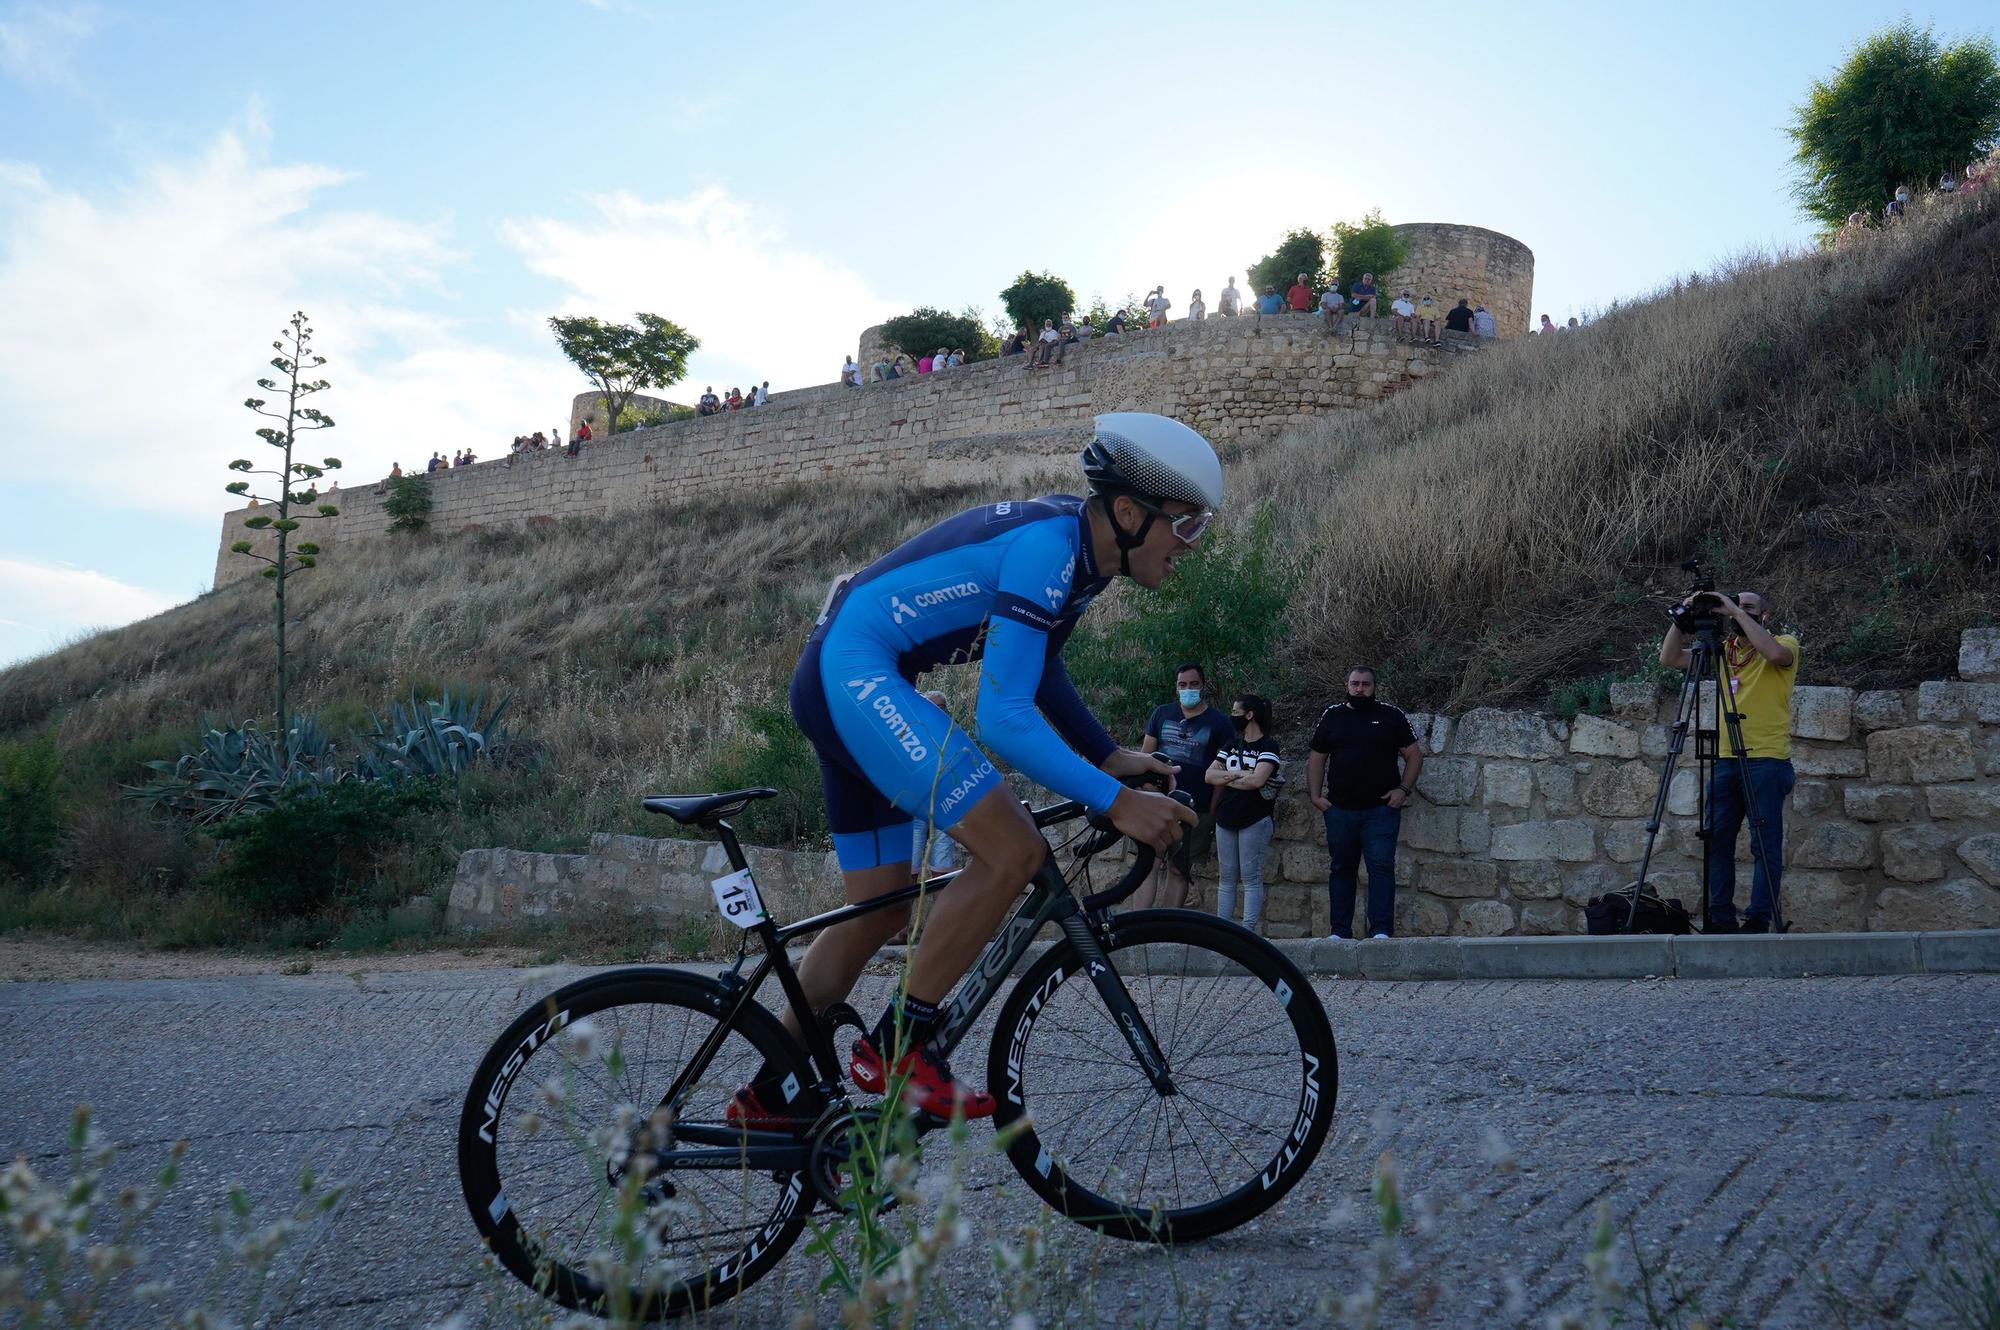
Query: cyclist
[1004, 583]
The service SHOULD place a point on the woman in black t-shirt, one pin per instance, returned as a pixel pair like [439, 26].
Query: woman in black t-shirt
[1247, 771]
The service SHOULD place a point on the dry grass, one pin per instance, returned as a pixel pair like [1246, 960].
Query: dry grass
[1818, 425]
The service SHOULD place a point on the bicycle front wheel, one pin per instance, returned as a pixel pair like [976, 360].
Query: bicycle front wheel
[569, 1103]
[1250, 1053]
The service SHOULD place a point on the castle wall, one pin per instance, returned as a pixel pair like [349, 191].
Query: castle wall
[1226, 377]
[1454, 262]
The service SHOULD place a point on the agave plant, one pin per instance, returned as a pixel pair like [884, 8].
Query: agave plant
[439, 736]
[241, 768]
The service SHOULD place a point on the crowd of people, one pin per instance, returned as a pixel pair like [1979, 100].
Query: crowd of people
[709, 404]
[1978, 175]
[895, 364]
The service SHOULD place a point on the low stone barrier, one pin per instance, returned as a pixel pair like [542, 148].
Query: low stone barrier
[1521, 818]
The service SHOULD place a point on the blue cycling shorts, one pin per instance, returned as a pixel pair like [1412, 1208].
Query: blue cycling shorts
[886, 754]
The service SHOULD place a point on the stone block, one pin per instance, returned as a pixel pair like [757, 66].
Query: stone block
[1410, 958]
[1989, 754]
[1914, 853]
[1817, 759]
[1556, 782]
[1490, 732]
[1475, 830]
[1817, 901]
[1947, 907]
[1427, 827]
[1881, 709]
[1634, 699]
[1305, 863]
[1485, 919]
[1963, 802]
[1461, 877]
[1624, 840]
[1297, 819]
[1920, 755]
[1835, 844]
[1959, 702]
[1536, 880]
[1594, 736]
[1881, 803]
[1982, 855]
[1449, 780]
[1418, 915]
[1620, 789]
[1549, 919]
[1822, 713]
[1508, 783]
[1812, 796]
[1979, 653]
[1681, 792]
[1570, 840]
[1654, 741]
[1959, 953]
[1793, 955]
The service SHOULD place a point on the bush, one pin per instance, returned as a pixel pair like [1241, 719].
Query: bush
[772, 751]
[924, 330]
[409, 503]
[1370, 245]
[1036, 296]
[1225, 608]
[30, 809]
[1301, 251]
[321, 847]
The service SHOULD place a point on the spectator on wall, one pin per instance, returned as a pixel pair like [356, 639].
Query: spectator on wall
[1116, 325]
[1364, 295]
[556, 436]
[763, 393]
[1016, 343]
[850, 373]
[1897, 205]
[1046, 342]
[1405, 311]
[1548, 326]
[1429, 321]
[1332, 309]
[735, 399]
[1190, 732]
[1230, 303]
[1300, 297]
[709, 403]
[1573, 324]
[879, 371]
[1245, 775]
[1158, 305]
[899, 366]
[583, 434]
[1196, 309]
[1482, 322]
[395, 470]
[926, 363]
[1459, 318]
[1270, 302]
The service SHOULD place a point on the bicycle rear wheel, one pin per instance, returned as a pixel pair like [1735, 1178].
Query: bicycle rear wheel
[568, 1101]
[1252, 1059]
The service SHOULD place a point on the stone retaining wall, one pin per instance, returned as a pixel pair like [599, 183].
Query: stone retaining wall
[1894, 825]
[993, 420]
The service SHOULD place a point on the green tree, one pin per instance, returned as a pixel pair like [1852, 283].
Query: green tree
[1301, 251]
[1902, 110]
[622, 358]
[295, 356]
[1035, 296]
[924, 330]
[409, 503]
[1370, 245]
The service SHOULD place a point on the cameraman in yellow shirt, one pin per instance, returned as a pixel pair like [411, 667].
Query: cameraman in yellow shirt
[1759, 669]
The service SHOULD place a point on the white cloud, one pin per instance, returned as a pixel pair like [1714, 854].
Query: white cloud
[140, 320]
[43, 605]
[37, 42]
[763, 307]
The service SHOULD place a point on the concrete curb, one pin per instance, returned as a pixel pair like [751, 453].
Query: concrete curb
[1772, 956]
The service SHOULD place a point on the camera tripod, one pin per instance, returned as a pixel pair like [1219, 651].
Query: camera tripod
[1705, 666]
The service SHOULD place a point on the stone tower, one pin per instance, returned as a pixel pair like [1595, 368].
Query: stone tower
[1451, 261]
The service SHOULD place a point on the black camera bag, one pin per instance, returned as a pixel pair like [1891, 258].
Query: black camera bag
[1606, 915]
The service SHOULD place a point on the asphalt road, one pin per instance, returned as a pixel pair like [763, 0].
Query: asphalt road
[1756, 1138]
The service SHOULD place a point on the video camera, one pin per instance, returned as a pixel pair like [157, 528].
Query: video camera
[1703, 614]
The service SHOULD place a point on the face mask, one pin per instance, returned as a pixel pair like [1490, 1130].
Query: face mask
[1190, 697]
[1241, 723]
[1361, 701]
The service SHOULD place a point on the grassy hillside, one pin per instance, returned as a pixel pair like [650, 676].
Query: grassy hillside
[1820, 428]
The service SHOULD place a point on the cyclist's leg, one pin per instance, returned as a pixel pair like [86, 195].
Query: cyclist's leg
[1006, 851]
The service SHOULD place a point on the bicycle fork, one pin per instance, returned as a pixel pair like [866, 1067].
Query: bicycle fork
[1124, 1011]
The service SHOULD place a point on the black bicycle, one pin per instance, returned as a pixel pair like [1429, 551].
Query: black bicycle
[1167, 1076]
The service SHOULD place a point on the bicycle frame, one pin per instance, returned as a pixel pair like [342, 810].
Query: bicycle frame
[1049, 899]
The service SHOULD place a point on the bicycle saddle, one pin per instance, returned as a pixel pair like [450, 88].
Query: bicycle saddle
[705, 809]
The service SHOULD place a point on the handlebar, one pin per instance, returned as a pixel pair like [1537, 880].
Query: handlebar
[1103, 837]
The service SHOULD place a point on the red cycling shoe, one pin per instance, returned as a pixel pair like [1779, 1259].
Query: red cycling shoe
[750, 1113]
[930, 1087]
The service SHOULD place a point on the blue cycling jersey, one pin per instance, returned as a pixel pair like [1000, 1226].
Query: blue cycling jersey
[1004, 584]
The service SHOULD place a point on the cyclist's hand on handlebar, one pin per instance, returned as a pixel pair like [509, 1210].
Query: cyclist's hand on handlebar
[1125, 763]
[1153, 819]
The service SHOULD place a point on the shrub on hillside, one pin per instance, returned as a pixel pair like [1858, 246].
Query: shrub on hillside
[30, 808]
[409, 503]
[770, 750]
[1370, 245]
[1301, 251]
[924, 330]
[322, 847]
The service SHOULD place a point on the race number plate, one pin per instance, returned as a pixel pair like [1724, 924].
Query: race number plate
[737, 897]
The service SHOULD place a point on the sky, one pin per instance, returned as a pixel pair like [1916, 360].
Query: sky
[430, 182]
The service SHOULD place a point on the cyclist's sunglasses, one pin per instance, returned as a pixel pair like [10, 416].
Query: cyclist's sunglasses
[1187, 527]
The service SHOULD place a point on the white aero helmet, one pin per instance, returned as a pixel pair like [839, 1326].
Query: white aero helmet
[1153, 458]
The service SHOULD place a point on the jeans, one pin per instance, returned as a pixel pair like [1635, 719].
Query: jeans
[1771, 781]
[1240, 855]
[1352, 836]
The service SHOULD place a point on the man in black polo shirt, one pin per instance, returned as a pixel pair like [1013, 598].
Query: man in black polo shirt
[1353, 780]
[1459, 318]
